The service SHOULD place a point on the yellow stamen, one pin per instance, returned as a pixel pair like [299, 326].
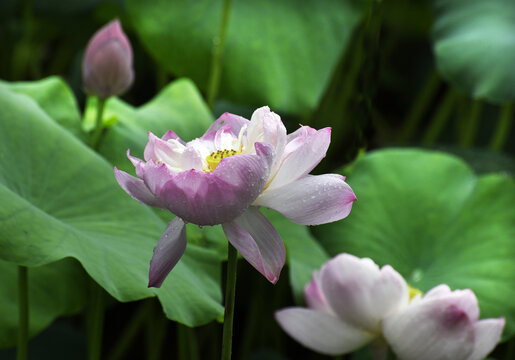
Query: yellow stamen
[214, 158]
[414, 292]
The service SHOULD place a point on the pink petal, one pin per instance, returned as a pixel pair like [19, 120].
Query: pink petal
[315, 298]
[360, 293]
[464, 299]
[258, 242]
[301, 155]
[218, 197]
[321, 331]
[137, 189]
[487, 334]
[167, 252]
[311, 200]
[234, 121]
[156, 176]
[430, 330]
[139, 164]
[171, 135]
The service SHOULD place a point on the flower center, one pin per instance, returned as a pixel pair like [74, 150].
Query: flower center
[214, 158]
[414, 292]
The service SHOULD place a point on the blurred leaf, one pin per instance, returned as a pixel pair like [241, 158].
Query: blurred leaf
[304, 253]
[55, 98]
[483, 161]
[430, 217]
[55, 289]
[280, 54]
[178, 107]
[474, 44]
[60, 199]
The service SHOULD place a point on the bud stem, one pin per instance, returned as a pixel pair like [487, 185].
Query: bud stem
[98, 132]
[216, 62]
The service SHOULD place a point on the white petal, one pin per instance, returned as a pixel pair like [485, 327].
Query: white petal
[360, 293]
[265, 126]
[487, 334]
[191, 159]
[300, 156]
[311, 200]
[320, 331]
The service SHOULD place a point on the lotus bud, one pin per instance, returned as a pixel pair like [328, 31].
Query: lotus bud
[107, 66]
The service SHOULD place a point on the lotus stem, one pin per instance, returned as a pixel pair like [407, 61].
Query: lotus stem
[503, 128]
[216, 62]
[440, 118]
[230, 292]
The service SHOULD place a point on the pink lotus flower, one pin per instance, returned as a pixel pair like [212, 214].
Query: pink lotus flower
[226, 175]
[107, 65]
[347, 301]
[443, 325]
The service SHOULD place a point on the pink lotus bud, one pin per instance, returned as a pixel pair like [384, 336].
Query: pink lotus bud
[107, 66]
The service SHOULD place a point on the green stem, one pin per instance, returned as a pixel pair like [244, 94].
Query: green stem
[216, 61]
[419, 107]
[503, 128]
[23, 313]
[95, 321]
[98, 132]
[440, 118]
[469, 130]
[230, 292]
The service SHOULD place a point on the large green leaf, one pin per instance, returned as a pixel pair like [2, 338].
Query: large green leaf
[55, 289]
[60, 199]
[474, 44]
[430, 217]
[55, 98]
[278, 53]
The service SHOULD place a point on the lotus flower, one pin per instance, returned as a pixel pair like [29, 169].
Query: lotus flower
[224, 177]
[107, 66]
[347, 301]
[443, 325]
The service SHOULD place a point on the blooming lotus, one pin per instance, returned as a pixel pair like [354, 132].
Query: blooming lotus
[352, 302]
[224, 177]
[107, 66]
[442, 325]
[347, 301]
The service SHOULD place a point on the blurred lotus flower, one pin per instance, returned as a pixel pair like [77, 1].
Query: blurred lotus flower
[224, 176]
[347, 301]
[442, 325]
[107, 65]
